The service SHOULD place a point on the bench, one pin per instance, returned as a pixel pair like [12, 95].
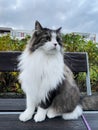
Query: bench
[11, 108]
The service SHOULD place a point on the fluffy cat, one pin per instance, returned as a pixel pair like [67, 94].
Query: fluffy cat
[46, 80]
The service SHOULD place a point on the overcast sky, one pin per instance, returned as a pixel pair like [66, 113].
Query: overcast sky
[72, 15]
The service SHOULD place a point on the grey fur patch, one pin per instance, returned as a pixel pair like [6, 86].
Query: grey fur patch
[90, 102]
[67, 99]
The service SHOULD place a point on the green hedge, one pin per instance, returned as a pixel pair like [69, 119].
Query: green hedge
[8, 81]
[76, 43]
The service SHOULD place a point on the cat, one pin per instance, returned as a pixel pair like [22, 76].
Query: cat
[46, 80]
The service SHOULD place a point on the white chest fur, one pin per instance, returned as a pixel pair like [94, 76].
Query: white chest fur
[41, 73]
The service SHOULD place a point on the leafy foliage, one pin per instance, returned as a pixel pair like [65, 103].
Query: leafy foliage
[76, 43]
[8, 80]
[9, 44]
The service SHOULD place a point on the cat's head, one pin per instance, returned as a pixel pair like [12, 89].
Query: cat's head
[45, 39]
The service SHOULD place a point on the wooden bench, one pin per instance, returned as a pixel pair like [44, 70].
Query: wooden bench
[11, 108]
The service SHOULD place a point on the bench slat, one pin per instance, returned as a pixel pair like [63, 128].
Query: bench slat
[75, 60]
[12, 105]
[11, 122]
[8, 61]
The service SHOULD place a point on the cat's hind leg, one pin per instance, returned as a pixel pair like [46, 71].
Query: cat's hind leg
[52, 113]
[74, 114]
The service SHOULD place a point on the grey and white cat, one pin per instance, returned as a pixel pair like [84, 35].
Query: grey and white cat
[46, 80]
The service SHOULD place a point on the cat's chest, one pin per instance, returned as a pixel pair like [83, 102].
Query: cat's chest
[46, 66]
[42, 74]
[44, 70]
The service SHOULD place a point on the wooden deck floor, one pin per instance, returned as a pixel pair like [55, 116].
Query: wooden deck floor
[10, 121]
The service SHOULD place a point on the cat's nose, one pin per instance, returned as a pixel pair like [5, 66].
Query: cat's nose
[55, 44]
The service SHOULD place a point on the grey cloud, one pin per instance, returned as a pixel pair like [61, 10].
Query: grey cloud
[72, 15]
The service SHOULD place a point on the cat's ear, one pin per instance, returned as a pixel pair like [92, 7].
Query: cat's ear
[59, 30]
[38, 26]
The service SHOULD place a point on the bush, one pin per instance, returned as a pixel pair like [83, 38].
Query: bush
[76, 43]
[8, 80]
[8, 44]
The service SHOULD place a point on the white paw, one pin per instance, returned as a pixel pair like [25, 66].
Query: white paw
[73, 115]
[39, 117]
[51, 113]
[25, 116]
[69, 117]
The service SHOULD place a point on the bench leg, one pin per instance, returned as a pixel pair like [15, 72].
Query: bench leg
[88, 84]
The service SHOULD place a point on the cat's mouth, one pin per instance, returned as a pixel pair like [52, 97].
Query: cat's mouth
[52, 51]
[54, 48]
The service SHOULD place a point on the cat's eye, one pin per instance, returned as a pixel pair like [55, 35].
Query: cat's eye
[59, 40]
[48, 38]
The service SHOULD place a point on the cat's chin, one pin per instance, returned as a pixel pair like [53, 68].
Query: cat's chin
[51, 52]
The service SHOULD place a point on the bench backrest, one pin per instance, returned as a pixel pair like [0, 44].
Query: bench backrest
[77, 62]
[8, 61]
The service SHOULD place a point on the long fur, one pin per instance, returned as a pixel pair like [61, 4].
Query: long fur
[47, 82]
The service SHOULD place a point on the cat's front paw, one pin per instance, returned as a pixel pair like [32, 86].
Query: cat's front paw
[39, 117]
[25, 116]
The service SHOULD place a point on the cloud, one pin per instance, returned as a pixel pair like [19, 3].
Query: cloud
[72, 15]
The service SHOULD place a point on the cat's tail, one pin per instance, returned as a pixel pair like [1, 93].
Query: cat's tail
[86, 103]
[89, 102]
